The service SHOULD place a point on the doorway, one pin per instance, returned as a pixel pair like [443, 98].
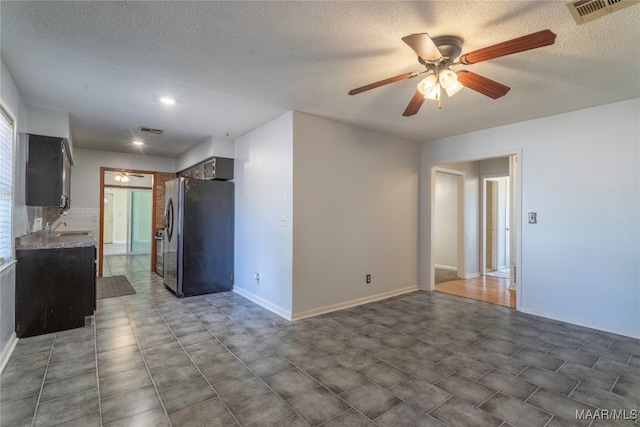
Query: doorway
[496, 250]
[488, 222]
[127, 218]
[127, 221]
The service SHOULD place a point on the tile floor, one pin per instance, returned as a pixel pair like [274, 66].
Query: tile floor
[114, 265]
[422, 359]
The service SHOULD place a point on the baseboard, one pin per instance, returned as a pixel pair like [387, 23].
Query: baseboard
[274, 308]
[7, 350]
[446, 267]
[580, 322]
[472, 275]
[352, 303]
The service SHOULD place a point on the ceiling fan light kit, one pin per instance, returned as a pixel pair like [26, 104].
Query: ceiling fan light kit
[438, 54]
[120, 177]
[124, 176]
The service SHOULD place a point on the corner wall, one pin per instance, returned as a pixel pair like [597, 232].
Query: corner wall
[580, 171]
[356, 213]
[263, 195]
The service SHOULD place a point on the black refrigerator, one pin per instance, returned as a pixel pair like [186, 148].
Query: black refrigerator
[198, 236]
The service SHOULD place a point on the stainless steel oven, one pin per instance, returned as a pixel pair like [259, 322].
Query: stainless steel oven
[159, 236]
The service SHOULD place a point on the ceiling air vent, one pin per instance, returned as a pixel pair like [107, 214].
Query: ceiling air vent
[588, 10]
[150, 130]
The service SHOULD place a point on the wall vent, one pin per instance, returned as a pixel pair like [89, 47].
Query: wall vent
[150, 130]
[588, 10]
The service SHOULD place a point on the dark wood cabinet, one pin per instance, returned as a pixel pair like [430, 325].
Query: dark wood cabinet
[48, 179]
[218, 168]
[55, 289]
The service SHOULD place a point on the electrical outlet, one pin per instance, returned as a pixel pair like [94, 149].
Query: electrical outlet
[368, 279]
[283, 220]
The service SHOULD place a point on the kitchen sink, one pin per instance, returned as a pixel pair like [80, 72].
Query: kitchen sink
[72, 233]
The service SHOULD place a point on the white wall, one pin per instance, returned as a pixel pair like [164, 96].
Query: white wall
[580, 172]
[120, 214]
[11, 100]
[42, 121]
[263, 194]
[85, 172]
[355, 213]
[210, 147]
[498, 166]
[446, 221]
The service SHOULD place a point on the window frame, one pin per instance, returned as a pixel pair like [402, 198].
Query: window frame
[5, 111]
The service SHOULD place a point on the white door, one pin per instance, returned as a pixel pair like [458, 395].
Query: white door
[108, 218]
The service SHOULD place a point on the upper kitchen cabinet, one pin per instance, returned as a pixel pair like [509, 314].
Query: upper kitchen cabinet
[48, 180]
[219, 168]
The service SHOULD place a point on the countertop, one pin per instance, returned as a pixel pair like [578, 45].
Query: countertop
[66, 239]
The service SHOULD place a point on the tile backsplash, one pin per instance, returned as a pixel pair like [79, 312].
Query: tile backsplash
[76, 219]
[84, 219]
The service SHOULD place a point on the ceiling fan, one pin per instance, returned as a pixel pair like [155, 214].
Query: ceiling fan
[438, 54]
[124, 176]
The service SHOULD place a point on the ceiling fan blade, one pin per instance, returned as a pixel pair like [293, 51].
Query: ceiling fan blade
[520, 44]
[481, 84]
[423, 45]
[361, 89]
[414, 104]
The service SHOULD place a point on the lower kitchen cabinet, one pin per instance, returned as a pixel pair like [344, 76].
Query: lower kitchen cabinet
[55, 289]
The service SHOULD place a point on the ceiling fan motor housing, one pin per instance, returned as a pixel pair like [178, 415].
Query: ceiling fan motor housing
[449, 46]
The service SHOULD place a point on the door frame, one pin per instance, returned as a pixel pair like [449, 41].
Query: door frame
[460, 243]
[104, 169]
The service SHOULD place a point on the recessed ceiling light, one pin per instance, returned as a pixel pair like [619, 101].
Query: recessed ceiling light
[168, 101]
[138, 143]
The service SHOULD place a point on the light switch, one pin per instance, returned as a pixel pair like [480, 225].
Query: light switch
[533, 218]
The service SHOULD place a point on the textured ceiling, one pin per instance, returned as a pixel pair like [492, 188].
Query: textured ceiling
[233, 66]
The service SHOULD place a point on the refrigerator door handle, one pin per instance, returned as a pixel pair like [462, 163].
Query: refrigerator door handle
[169, 219]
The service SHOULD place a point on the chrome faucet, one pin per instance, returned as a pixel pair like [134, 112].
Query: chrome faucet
[58, 225]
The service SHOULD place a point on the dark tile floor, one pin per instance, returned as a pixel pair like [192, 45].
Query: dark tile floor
[422, 359]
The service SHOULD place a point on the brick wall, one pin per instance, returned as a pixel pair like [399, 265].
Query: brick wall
[161, 178]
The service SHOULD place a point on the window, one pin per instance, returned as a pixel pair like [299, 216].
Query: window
[6, 187]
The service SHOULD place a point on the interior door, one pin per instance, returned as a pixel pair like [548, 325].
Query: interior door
[507, 214]
[492, 189]
[108, 218]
